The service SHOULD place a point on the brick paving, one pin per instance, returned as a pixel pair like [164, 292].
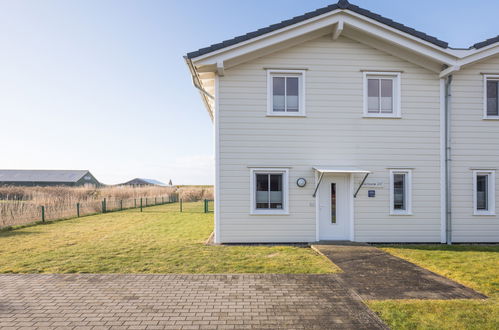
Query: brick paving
[249, 301]
[375, 274]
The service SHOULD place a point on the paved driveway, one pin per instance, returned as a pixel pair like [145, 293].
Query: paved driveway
[181, 302]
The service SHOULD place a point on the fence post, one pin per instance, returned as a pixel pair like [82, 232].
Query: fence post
[135, 202]
[146, 201]
[43, 213]
[78, 210]
[205, 208]
[121, 205]
[181, 205]
[141, 205]
[104, 206]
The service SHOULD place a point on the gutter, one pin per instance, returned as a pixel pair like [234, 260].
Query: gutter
[197, 83]
[448, 202]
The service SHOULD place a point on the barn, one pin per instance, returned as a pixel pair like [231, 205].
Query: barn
[43, 178]
[144, 182]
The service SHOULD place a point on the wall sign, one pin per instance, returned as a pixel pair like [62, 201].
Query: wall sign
[371, 193]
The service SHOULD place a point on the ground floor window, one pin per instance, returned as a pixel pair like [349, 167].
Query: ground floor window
[269, 191]
[400, 192]
[484, 192]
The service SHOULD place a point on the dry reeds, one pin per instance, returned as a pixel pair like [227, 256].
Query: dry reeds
[22, 205]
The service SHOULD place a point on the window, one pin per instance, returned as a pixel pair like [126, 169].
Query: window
[400, 192]
[491, 108]
[381, 94]
[484, 192]
[286, 93]
[333, 203]
[269, 191]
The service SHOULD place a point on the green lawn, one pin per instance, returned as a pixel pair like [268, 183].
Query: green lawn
[476, 266]
[158, 240]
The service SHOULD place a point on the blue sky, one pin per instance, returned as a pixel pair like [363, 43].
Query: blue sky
[102, 85]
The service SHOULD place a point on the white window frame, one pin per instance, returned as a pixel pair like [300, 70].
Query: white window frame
[301, 92]
[408, 192]
[491, 185]
[285, 191]
[486, 78]
[395, 76]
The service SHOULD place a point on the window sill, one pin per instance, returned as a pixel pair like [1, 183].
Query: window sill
[484, 214]
[268, 213]
[286, 115]
[491, 118]
[400, 214]
[382, 116]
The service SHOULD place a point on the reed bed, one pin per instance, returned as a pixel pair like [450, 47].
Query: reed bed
[23, 205]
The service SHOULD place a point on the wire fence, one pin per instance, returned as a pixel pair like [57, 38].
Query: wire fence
[17, 212]
[20, 212]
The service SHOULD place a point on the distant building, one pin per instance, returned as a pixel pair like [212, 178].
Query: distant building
[43, 178]
[144, 182]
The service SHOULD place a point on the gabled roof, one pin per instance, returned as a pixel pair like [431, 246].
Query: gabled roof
[41, 175]
[342, 4]
[142, 181]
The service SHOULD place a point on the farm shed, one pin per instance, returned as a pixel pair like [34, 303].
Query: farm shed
[144, 182]
[47, 178]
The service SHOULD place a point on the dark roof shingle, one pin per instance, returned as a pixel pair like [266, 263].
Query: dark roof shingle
[342, 4]
[487, 42]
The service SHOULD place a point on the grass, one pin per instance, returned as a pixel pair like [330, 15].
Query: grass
[158, 240]
[476, 266]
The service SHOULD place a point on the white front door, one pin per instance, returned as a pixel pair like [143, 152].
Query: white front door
[334, 207]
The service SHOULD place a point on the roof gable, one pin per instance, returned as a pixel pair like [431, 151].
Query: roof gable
[342, 4]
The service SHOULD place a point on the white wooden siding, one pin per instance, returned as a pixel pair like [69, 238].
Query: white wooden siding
[333, 133]
[475, 145]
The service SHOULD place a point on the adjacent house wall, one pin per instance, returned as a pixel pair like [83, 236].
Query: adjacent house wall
[332, 134]
[475, 144]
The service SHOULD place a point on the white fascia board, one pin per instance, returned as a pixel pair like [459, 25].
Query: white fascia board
[479, 54]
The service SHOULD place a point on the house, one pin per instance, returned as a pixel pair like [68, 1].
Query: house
[144, 182]
[342, 124]
[47, 178]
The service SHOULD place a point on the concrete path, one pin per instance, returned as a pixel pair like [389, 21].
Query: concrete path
[181, 302]
[375, 274]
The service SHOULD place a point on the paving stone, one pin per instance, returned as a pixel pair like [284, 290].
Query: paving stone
[375, 274]
[139, 301]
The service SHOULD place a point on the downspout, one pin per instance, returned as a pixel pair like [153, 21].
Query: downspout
[197, 83]
[448, 204]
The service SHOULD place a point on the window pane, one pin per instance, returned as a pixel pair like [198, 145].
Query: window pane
[386, 95]
[333, 202]
[292, 94]
[276, 199]
[278, 93]
[373, 95]
[492, 98]
[399, 191]
[482, 192]
[262, 191]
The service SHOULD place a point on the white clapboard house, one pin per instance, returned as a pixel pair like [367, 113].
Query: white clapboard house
[342, 124]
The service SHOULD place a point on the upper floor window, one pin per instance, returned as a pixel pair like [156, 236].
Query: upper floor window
[400, 192]
[382, 94]
[286, 92]
[484, 192]
[491, 110]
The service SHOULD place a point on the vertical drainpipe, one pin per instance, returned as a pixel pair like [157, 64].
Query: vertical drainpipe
[448, 206]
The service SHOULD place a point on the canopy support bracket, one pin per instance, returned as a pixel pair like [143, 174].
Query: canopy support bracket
[360, 186]
[318, 183]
